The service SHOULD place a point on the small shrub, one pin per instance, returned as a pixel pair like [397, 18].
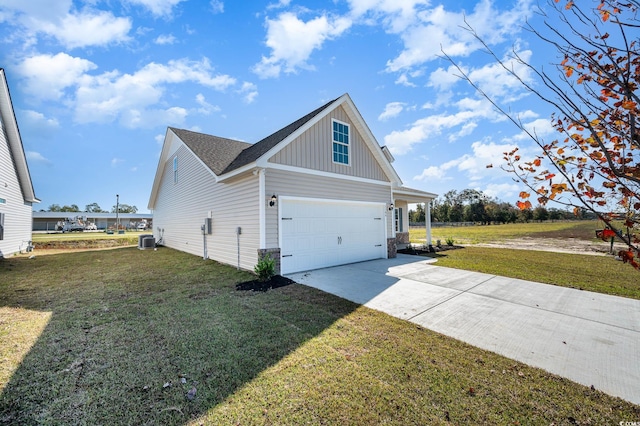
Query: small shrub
[265, 268]
[450, 241]
[438, 243]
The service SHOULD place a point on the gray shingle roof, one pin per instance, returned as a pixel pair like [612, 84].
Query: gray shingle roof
[217, 153]
[226, 155]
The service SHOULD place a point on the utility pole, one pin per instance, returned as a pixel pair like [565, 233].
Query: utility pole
[117, 213]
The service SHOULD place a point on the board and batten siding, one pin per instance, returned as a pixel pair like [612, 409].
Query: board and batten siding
[313, 149]
[18, 217]
[294, 184]
[181, 209]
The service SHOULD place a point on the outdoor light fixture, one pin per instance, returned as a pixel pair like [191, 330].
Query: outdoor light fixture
[273, 200]
[390, 206]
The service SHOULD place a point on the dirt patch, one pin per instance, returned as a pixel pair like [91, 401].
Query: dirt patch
[256, 285]
[559, 245]
[81, 244]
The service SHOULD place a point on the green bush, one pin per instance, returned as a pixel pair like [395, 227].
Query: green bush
[265, 268]
[450, 241]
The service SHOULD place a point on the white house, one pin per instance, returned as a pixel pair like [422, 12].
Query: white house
[16, 189]
[316, 193]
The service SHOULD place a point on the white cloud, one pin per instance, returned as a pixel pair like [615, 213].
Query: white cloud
[47, 76]
[443, 79]
[404, 81]
[472, 165]
[37, 124]
[280, 4]
[501, 190]
[440, 30]
[165, 39]
[541, 127]
[249, 91]
[396, 15]
[470, 111]
[205, 107]
[88, 29]
[115, 161]
[217, 6]
[392, 109]
[292, 41]
[498, 83]
[36, 157]
[157, 7]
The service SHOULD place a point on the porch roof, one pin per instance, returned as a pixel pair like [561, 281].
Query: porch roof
[411, 195]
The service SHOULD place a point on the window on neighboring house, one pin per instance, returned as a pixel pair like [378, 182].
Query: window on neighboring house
[1, 226]
[340, 142]
[175, 169]
[398, 220]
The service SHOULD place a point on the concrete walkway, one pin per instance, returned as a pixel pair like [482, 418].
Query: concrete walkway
[590, 338]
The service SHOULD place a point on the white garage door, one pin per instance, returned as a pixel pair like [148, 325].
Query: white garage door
[317, 234]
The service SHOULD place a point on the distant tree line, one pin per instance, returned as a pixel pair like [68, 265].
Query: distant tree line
[91, 208]
[471, 205]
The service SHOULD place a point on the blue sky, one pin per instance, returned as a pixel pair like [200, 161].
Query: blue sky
[96, 83]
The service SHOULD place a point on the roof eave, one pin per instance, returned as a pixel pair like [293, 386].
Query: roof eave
[15, 141]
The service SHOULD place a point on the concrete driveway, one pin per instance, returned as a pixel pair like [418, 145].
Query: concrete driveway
[590, 338]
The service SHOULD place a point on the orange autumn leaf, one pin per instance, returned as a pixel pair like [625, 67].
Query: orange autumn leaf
[523, 206]
[569, 71]
[524, 195]
[537, 162]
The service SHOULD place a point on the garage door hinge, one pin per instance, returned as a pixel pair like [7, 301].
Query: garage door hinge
[287, 255]
[287, 218]
[378, 245]
[377, 218]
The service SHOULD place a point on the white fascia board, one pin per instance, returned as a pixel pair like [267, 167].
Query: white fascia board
[244, 169]
[325, 174]
[399, 193]
[15, 141]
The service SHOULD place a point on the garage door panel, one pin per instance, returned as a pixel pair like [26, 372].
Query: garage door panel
[318, 234]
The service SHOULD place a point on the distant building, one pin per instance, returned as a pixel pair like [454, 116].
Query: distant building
[50, 221]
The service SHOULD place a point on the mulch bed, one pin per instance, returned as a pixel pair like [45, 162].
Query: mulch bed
[257, 285]
[423, 252]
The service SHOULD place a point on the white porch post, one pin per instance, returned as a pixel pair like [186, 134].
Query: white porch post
[427, 217]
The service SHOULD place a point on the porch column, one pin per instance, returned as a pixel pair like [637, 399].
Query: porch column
[427, 218]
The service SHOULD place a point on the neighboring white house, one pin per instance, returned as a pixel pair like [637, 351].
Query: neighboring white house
[16, 189]
[316, 193]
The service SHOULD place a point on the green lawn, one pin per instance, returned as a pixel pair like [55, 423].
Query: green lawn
[109, 337]
[601, 274]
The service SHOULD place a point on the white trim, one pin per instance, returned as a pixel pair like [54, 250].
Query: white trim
[238, 171]
[427, 216]
[262, 199]
[313, 172]
[347, 144]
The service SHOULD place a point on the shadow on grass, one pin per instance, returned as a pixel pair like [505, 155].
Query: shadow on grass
[131, 332]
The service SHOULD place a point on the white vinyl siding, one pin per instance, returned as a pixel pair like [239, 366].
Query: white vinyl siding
[286, 183]
[17, 213]
[181, 210]
[313, 149]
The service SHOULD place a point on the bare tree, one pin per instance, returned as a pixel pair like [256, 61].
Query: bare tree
[594, 163]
